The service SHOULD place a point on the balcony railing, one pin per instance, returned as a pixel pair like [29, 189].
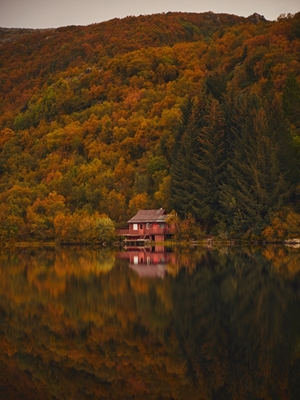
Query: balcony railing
[144, 231]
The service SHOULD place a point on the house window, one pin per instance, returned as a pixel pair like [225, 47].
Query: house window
[135, 260]
[135, 227]
[141, 226]
[147, 225]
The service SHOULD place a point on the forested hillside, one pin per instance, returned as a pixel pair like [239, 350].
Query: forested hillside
[197, 113]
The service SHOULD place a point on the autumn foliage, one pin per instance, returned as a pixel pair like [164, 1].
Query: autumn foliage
[91, 118]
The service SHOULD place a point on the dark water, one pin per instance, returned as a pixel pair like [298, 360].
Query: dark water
[93, 324]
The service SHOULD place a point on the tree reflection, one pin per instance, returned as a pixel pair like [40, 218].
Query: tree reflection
[235, 318]
[80, 323]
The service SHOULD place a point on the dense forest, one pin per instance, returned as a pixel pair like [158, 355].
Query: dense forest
[197, 113]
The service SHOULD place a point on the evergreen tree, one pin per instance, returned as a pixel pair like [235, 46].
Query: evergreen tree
[284, 137]
[291, 101]
[210, 163]
[184, 154]
[290, 135]
[216, 84]
[255, 184]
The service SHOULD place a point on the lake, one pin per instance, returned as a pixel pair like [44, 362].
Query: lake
[79, 323]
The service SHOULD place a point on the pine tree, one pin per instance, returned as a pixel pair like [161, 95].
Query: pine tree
[284, 137]
[255, 184]
[210, 163]
[184, 154]
[291, 101]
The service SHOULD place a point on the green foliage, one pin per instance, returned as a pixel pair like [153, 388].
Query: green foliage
[235, 173]
[210, 164]
[149, 111]
[105, 229]
[255, 184]
[184, 156]
[291, 101]
[84, 228]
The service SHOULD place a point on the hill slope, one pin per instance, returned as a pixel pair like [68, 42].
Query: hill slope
[90, 116]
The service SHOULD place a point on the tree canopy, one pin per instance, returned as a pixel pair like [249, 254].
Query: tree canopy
[186, 111]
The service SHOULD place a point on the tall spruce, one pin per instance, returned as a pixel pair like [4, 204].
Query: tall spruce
[255, 184]
[291, 101]
[210, 162]
[285, 139]
[184, 155]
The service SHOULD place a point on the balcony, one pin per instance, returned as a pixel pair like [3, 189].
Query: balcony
[144, 231]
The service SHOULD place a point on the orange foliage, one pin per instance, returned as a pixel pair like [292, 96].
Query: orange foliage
[83, 108]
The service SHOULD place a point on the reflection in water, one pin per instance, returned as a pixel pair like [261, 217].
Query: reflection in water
[93, 324]
[149, 262]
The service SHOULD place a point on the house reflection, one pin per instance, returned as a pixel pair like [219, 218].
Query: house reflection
[148, 262]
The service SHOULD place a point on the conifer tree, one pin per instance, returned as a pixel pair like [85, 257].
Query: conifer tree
[284, 137]
[291, 101]
[186, 112]
[210, 163]
[255, 183]
[184, 154]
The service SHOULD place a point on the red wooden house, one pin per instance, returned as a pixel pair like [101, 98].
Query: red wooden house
[147, 225]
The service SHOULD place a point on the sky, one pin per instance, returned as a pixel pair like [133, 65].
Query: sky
[56, 13]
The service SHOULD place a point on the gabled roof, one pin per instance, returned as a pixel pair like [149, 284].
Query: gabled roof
[149, 216]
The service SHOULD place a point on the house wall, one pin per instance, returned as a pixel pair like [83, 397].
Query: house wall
[159, 238]
[147, 229]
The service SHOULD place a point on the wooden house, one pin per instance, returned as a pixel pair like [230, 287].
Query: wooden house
[147, 225]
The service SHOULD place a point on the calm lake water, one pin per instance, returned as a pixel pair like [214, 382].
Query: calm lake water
[77, 323]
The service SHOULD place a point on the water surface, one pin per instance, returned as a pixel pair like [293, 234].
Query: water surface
[77, 323]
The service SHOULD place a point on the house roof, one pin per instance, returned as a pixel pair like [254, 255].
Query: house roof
[149, 216]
